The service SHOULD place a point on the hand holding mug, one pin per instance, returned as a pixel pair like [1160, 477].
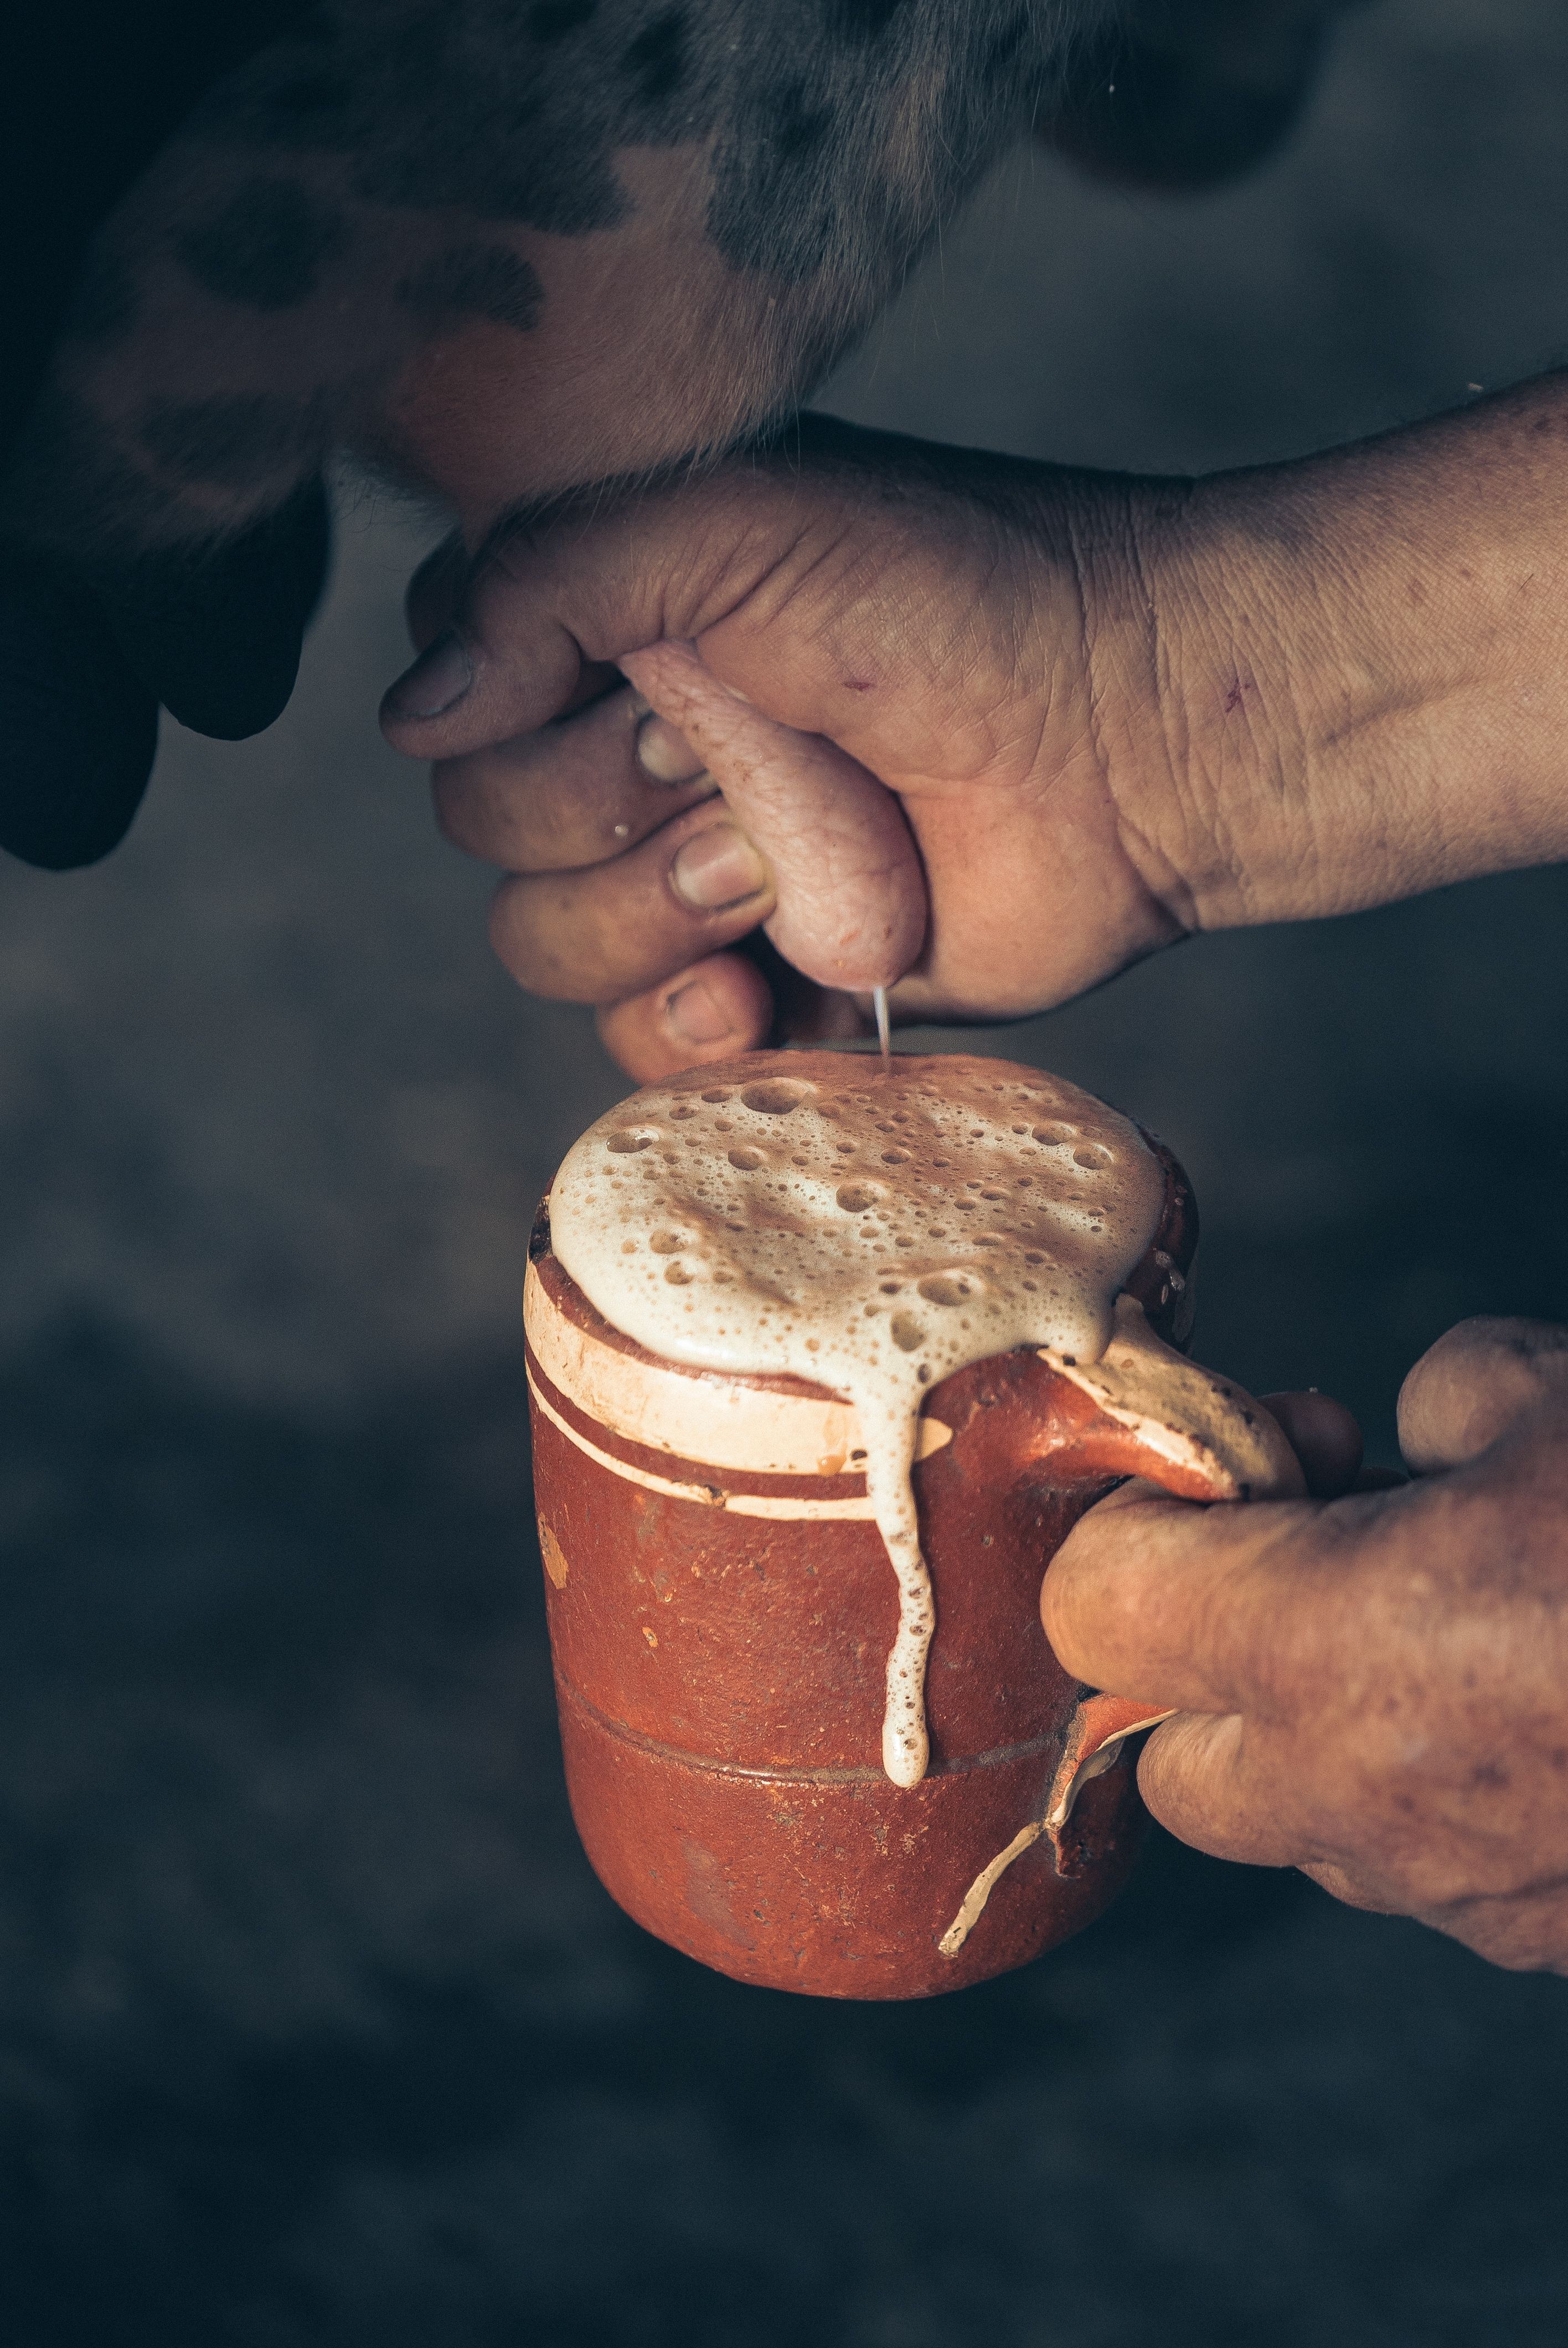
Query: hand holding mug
[1368, 1688]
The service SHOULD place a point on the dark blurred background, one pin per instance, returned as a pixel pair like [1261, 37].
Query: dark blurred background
[314, 2027]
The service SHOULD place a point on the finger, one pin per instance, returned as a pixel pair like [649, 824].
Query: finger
[805, 1013]
[537, 603]
[1200, 1609]
[616, 928]
[851, 910]
[78, 730]
[664, 755]
[1324, 1437]
[715, 1010]
[433, 607]
[1198, 1777]
[738, 1003]
[574, 793]
[1469, 1387]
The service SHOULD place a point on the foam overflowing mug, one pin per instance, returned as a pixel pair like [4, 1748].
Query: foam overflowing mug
[824, 1361]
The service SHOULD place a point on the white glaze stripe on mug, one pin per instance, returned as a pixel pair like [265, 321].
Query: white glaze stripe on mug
[735, 1504]
[872, 1231]
[714, 1420]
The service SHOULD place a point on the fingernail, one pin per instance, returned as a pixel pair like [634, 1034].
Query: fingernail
[439, 678]
[662, 754]
[719, 868]
[695, 1018]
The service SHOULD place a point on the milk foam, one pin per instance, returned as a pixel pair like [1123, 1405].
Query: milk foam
[870, 1230]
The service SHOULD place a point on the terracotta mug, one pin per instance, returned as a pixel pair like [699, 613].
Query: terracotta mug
[721, 1605]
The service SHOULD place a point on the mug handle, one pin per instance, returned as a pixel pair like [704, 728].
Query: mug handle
[1200, 1438]
[1141, 1409]
[1196, 1435]
[1094, 1739]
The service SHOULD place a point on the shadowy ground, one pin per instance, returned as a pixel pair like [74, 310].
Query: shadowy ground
[317, 2029]
[314, 2027]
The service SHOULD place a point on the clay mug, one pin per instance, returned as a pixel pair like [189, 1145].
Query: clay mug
[721, 1610]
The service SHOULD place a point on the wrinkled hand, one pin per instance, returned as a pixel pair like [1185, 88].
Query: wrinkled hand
[1110, 712]
[1371, 1688]
[895, 616]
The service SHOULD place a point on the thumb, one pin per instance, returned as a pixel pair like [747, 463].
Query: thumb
[1469, 1387]
[851, 894]
[503, 647]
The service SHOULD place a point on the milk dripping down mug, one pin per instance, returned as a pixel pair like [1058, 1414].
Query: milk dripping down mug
[825, 1363]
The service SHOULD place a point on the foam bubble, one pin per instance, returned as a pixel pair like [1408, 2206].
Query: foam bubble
[872, 1231]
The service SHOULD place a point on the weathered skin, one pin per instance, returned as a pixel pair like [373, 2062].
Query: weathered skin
[1114, 712]
[503, 250]
[1370, 1687]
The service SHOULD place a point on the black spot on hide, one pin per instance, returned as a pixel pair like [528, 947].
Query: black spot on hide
[482, 127]
[800, 127]
[482, 281]
[514, 110]
[265, 247]
[839, 151]
[840, 131]
[786, 198]
[1006, 43]
[656, 60]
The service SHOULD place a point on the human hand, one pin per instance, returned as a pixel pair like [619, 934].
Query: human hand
[1369, 1688]
[913, 615]
[1112, 712]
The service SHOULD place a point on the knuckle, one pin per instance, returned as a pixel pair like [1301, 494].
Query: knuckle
[570, 940]
[520, 937]
[1181, 1778]
[1067, 1595]
[504, 584]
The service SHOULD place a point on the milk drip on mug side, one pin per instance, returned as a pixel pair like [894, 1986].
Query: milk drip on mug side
[873, 1232]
